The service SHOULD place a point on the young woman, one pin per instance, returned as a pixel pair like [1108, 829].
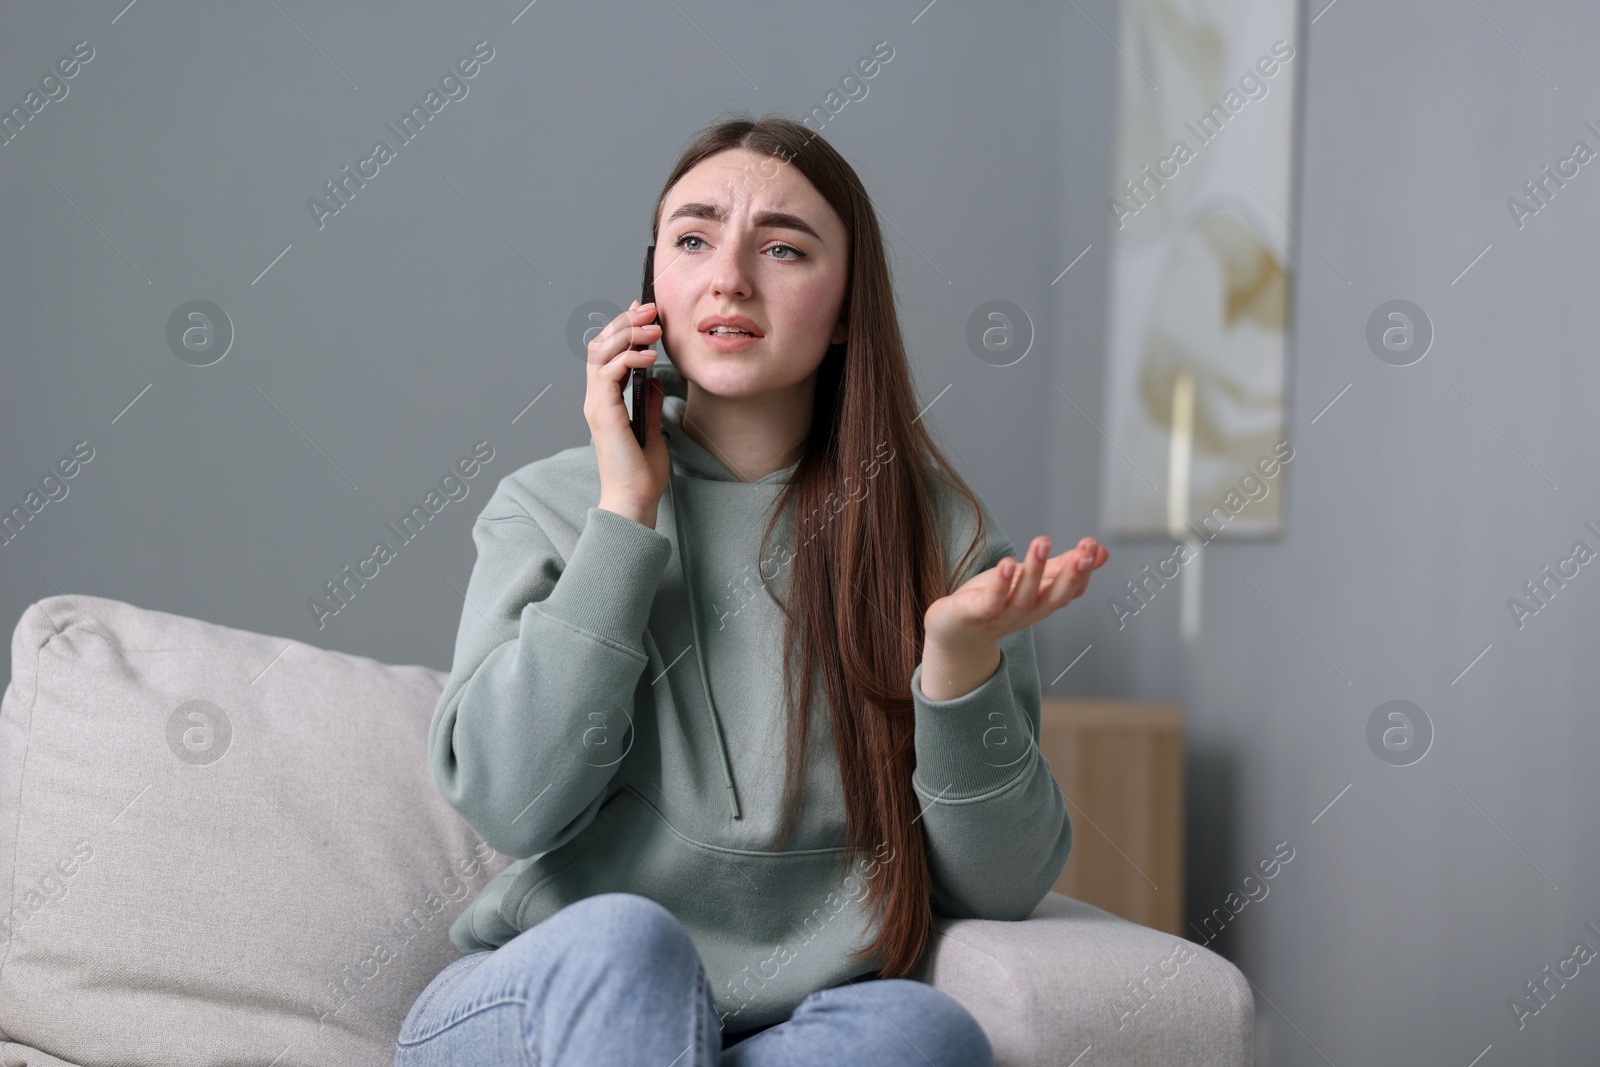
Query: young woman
[745, 755]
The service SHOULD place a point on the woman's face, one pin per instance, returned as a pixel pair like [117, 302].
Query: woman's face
[744, 235]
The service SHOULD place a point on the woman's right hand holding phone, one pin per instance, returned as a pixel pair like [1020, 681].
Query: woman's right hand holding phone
[631, 479]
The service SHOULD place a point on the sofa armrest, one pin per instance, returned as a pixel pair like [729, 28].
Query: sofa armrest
[1071, 976]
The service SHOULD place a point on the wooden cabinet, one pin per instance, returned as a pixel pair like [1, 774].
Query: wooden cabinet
[1120, 766]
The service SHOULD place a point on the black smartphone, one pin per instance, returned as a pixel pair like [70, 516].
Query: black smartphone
[636, 388]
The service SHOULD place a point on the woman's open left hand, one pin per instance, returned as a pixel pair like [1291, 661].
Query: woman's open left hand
[1008, 597]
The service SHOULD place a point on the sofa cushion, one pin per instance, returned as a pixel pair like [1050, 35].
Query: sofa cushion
[216, 846]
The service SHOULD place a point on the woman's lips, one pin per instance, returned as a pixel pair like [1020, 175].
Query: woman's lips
[727, 343]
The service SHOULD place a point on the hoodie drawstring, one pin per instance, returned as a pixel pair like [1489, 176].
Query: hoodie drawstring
[694, 623]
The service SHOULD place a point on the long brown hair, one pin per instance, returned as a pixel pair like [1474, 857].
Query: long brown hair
[865, 573]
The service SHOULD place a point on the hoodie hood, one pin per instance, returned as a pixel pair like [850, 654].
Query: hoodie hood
[693, 460]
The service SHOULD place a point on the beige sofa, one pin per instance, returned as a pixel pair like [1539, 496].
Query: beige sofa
[222, 847]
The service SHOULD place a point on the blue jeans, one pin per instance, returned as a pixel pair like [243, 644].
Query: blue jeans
[614, 980]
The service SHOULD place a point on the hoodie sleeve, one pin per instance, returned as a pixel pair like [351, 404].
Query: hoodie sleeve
[547, 660]
[996, 822]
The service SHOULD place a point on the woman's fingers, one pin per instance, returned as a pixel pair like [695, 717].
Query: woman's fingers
[1089, 550]
[1027, 592]
[618, 366]
[614, 364]
[1037, 584]
[603, 399]
[1067, 576]
[632, 327]
[620, 358]
[1005, 575]
[1065, 586]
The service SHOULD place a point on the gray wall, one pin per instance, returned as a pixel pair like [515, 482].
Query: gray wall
[1421, 902]
[426, 315]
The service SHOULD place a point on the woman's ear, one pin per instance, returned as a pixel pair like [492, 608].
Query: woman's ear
[841, 331]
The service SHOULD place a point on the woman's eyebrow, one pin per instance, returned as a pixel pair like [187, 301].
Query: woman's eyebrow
[775, 219]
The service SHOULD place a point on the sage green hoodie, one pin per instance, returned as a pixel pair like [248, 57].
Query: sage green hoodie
[578, 734]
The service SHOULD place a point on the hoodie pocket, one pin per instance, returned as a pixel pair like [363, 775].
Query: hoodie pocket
[540, 870]
[770, 926]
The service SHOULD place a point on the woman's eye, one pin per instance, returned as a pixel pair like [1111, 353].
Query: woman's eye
[794, 253]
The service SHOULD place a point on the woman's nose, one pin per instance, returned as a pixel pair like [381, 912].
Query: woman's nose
[730, 274]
